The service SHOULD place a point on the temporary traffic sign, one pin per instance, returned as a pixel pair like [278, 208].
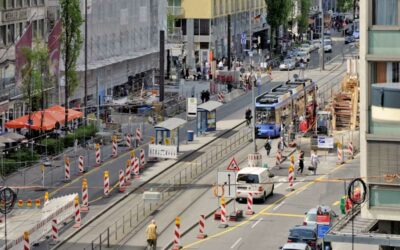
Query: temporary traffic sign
[233, 166]
[243, 38]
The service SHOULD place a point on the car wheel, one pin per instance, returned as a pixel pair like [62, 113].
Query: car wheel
[264, 197]
[272, 190]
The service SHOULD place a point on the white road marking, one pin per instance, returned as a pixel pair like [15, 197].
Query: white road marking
[298, 181]
[255, 223]
[278, 185]
[236, 242]
[277, 206]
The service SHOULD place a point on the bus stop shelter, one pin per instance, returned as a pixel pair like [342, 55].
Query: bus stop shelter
[207, 116]
[167, 132]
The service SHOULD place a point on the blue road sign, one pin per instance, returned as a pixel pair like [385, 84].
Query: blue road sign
[243, 38]
[322, 229]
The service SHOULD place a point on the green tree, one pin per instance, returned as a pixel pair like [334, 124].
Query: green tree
[345, 5]
[278, 14]
[36, 78]
[72, 20]
[303, 18]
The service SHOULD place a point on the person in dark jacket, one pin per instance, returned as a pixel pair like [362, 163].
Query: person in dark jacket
[301, 162]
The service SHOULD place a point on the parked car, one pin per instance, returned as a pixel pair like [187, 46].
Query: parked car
[305, 47]
[295, 246]
[327, 45]
[303, 55]
[311, 215]
[254, 180]
[316, 44]
[288, 64]
[349, 39]
[304, 234]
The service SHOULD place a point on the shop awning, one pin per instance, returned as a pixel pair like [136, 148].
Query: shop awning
[209, 106]
[44, 120]
[170, 124]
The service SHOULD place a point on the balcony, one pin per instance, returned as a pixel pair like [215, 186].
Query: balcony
[176, 11]
[384, 43]
[175, 35]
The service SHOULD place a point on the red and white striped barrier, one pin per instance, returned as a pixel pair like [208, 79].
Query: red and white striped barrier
[278, 158]
[291, 176]
[85, 196]
[351, 150]
[98, 155]
[121, 181]
[114, 148]
[77, 213]
[177, 234]
[202, 223]
[250, 204]
[138, 136]
[67, 168]
[136, 168]
[223, 214]
[106, 183]
[80, 165]
[340, 154]
[54, 230]
[221, 97]
[142, 159]
[128, 173]
[128, 140]
[27, 245]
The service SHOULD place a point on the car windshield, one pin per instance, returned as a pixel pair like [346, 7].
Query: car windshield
[287, 61]
[302, 54]
[265, 116]
[327, 42]
[302, 233]
[248, 178]
[311, 217]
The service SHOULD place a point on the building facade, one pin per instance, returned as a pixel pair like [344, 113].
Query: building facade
[380, 114]
[204, 26]
[123, 43]
[15, 17]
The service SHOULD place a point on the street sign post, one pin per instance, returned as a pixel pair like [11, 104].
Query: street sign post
[227, 179]
[233, 166]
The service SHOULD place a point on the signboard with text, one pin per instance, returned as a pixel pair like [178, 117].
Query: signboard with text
[163, 151]
[325, 142]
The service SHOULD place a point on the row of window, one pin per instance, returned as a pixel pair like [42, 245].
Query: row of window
[10, 32]
[385, 12]
[12, 4]
[227, 6]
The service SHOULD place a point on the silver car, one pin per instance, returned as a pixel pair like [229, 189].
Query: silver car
[287, 64]
[296, 246]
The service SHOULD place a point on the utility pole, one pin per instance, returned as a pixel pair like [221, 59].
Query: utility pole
[253, 95]
[86, 59]
[162, 49]
[229, 42]
[322, 50]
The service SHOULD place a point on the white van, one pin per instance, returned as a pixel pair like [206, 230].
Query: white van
[254, 180]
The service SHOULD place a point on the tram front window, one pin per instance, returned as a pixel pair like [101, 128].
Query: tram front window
[265, 116]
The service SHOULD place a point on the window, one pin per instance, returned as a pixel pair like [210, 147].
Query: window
[385, 12]
[3, 35]
[19, 3]
[203, 45]
[248, 178]
[385, 72]
[204, 27]
[10, 33]
[2, 4]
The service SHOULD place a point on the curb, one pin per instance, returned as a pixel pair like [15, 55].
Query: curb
[138, 188]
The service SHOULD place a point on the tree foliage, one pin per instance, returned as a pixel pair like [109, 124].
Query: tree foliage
[345, 5]
[303, 18]
[71, 38]
[278, 13]
[35, 75]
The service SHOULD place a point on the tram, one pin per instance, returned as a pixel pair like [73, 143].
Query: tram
[290, 102]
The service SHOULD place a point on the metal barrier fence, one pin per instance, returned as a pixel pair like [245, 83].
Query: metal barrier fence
[183, 174]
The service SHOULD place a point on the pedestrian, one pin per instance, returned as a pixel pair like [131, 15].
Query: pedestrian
[314, 162]
[203, 96]
[301, 162]
[281, 144]
[248, 116]
[207, 95]
[151, 234]
[267, 145]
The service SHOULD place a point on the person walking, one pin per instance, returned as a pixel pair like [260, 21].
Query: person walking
[281, 144]
[301, 162]
[314, 162]
[248, 116]
[267, 145]
[151, 234]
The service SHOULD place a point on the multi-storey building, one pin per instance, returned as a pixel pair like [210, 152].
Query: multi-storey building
[204, 26]
[15, 16]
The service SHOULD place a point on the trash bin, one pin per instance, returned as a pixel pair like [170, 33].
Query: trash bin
[190, 135]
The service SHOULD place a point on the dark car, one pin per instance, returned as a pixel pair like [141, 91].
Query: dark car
[304, 234]
[349, 39]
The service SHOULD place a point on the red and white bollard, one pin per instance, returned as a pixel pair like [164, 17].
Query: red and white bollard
[351, 150]
[278, 158]
[114, 147]
[291, 177]
[27, 245]
[250, 204]
[132, 159]
[128, 140]
[202, 223]
[85, 196]
[128, 173]
[223, 214]
[136, 168]
[77, 213]
[121, 181]
[106, 183]
[138, 136]
[340, 154]
[80, 165]
[67, 168]
[54, 230]
[142, 159]
[98, 155]
[177, 234]
[221, 97]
